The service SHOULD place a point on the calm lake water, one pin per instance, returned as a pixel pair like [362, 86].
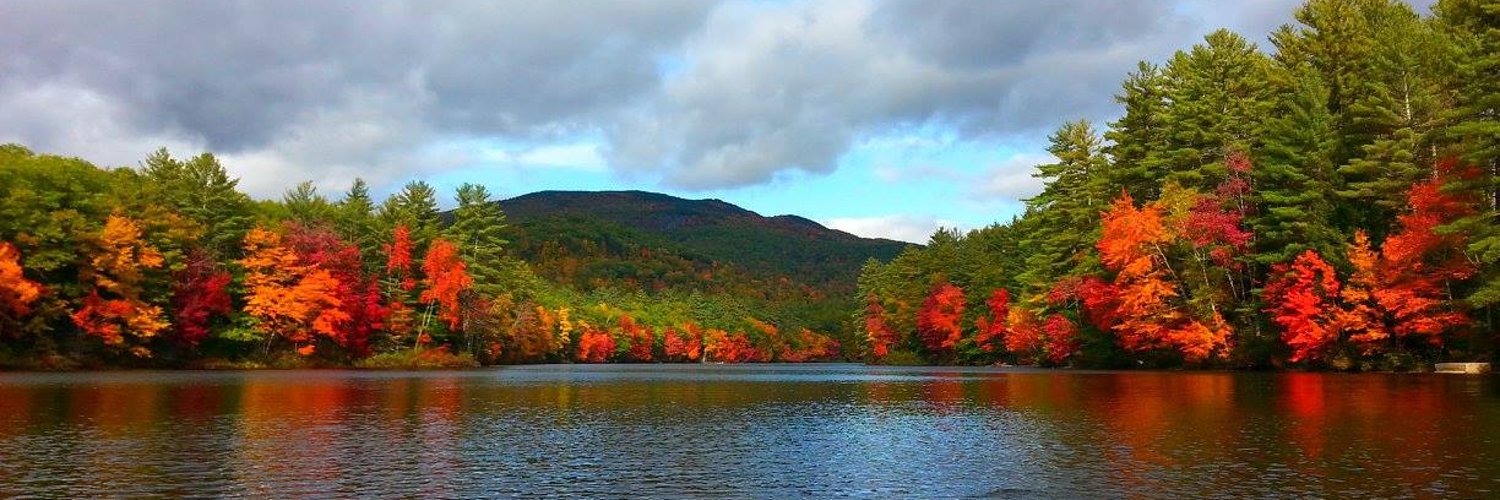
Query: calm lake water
[754, 431]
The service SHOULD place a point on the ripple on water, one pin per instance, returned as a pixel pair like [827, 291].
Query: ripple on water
[752, 431]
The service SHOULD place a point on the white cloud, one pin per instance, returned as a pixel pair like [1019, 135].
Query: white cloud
[909, 228]
[80, 122]
[1011, 179]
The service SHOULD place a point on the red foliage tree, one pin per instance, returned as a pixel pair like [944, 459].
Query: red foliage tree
[1303, 301]
[642, 341]
[1418, 262]
[683, 345]
[938, 322]
[1024, 337]
[1062, 338]
[200, 292]
[398, 264]
[595, 345]
[992, 326]
[359, 294]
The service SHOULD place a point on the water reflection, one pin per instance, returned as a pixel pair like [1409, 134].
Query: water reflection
[752, 430]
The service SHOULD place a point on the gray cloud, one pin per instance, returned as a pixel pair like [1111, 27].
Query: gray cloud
[696, 94]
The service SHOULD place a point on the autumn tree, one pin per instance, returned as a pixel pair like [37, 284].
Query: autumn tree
[358, 292]
[115, 310]
[1303, 300]
[445, 280]
[595, 345]
[991, 326]
[200, 293]
[1024, 336]
[17, 293]
[1062, 338]
[878, 333]
[1360, 316]
[1131, 245]
[286, 298]
[400, 282]
[939, 320]
[1419, 262]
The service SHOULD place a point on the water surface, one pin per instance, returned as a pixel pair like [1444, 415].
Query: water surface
[750, 430]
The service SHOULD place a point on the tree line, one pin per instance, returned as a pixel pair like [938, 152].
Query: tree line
[1331, 202]
[169, 265]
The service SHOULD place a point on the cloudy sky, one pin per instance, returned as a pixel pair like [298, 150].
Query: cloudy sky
[880, 117]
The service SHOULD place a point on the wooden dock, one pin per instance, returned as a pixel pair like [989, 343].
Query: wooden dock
[1464, 368]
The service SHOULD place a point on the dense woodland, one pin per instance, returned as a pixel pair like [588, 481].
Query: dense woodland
[1327, 201]
[168, 264]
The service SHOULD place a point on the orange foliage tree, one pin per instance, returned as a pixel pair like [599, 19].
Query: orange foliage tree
[878, 332]
[114, 307]
[16, 292]
[1360, 315]
[725, 347]
[287, 298]
[1024, 335]
[1131, 245]
[595, 345]
[938, 322]
[445, 279]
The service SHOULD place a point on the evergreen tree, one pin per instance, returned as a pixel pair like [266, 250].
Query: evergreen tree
[354, 217]
[201, 189]
[305, 205]
[1219, 98]
[1473, 28]
[1137, 135]
[1293, 190]
[1069, 206]
[415, 206]
[1390, 118]
[477, 227]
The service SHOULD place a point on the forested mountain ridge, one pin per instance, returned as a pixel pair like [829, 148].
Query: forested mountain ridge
[706, 234]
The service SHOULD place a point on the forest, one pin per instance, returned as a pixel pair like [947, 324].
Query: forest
[170, 265]
[1328, 202]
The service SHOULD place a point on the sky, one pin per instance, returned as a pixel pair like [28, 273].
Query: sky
[884, 118]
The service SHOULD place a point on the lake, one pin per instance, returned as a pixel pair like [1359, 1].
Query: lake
[748, 431]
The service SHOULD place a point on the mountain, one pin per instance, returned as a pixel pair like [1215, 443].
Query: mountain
[655, 242]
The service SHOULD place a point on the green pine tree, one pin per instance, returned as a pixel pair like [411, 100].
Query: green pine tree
[1293, 191]
[477, 228]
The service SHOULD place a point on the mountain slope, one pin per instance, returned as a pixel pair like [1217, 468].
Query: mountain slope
[656, 241]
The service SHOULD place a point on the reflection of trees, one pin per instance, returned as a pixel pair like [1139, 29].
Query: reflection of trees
[1134, 434]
